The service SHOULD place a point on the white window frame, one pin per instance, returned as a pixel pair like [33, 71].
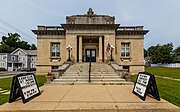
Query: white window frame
[55, 46]
[125, 47]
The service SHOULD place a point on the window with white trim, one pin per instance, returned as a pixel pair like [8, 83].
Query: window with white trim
[55, 49]
[125, 49]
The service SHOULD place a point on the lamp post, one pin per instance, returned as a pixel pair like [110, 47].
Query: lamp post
[112, 49]
[69, 48]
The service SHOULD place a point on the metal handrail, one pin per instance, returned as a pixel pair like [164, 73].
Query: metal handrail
[90, 70]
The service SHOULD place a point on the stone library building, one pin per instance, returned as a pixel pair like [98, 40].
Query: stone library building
[90, 37]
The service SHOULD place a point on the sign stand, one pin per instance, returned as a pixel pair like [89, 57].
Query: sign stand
[24, 86]
[146, 85]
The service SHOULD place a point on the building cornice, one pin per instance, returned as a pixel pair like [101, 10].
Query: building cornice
[90, 34]
[49, 32]
[135, 32]
[90, 26]
[129, 38]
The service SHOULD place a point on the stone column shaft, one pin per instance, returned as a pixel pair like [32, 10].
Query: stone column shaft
[100, 49]
[80, 49]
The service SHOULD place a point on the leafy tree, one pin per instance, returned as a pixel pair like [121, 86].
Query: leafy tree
[177, 51]
[145, 53]
[161, 53]
[177, 54]
[12, 41]
[33, 47]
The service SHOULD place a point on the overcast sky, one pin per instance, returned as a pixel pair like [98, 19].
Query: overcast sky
[161, 17]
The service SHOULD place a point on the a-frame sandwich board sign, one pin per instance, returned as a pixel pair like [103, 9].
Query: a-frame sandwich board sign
[146, 85]
[24, 86]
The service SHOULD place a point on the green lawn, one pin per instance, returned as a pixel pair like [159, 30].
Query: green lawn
[4, 98]
[5, 83]
[168, 89]
[167, 72]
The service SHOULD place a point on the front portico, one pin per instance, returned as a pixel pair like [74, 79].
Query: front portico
[94, 36]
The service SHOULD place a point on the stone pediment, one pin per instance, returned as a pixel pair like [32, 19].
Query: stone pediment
[90, 18]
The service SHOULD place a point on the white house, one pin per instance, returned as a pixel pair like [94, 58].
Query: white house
[18, 59]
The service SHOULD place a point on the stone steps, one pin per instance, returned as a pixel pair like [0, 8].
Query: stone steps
[86, 77]
[88, 74]
[86, 80]
[100, 74]
[91, 73]
[94, 83]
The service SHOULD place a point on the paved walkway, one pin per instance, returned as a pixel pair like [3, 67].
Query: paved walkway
[168, 78]
[86, 98]
[4, 91]
[8, 74]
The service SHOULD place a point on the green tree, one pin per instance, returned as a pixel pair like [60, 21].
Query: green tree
[33, 47]
[161, 53]
[12, 41]
[177, 51]
[177, 54]
[145, 53]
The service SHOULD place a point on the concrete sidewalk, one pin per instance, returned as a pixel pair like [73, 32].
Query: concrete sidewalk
[86, 98]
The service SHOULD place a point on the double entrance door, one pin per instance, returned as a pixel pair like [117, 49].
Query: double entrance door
[91, 55]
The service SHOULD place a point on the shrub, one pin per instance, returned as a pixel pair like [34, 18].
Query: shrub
[2, 69]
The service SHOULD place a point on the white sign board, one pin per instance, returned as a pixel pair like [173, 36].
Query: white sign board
[28, 86]
[146, 85]
[141, 84]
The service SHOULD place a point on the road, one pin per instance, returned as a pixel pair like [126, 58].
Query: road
[11, 74]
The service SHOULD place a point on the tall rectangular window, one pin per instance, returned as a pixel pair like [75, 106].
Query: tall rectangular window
[125, 49]
[55, 49]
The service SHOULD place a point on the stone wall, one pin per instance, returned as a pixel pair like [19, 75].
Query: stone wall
[136, 58]
[108, 38]
[44, 60]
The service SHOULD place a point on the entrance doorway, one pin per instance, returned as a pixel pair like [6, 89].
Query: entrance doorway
[91, 53]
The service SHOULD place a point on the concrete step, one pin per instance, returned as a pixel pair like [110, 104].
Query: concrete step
[86, 80]
[88, 74]
[110, 74]
[92, 83]
[86, 77]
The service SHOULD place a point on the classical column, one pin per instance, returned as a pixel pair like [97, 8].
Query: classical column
[80, 48]
[100, 49]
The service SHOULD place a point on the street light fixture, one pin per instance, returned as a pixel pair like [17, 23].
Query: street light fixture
[69, 48]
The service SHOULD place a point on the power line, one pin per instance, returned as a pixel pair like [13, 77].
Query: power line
[4, 29]
[14, 28]
[3, 33]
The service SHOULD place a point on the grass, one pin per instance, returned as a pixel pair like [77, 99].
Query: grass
[5, 83]
[167, 72]
[3, 98]
[168, 89]
[41, 80]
